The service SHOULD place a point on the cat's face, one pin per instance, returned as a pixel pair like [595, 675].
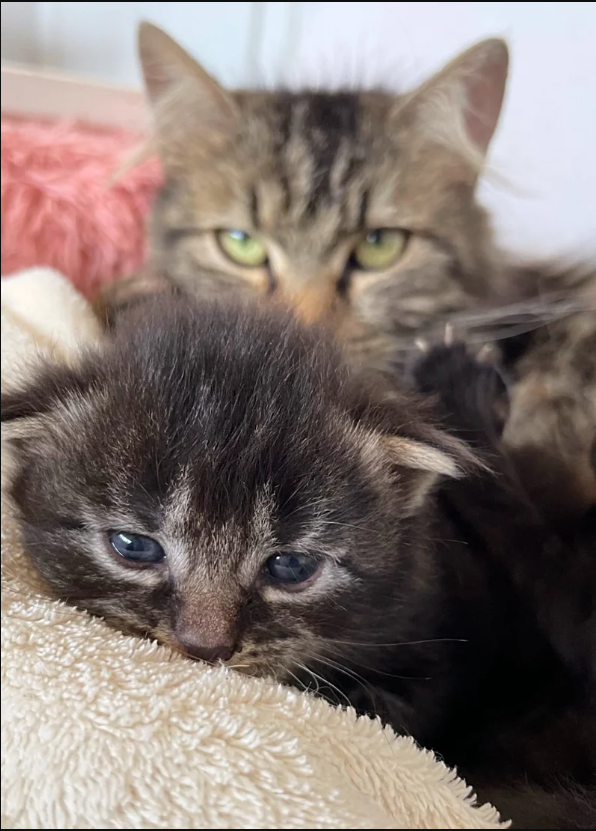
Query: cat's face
[355, 209]
[214, 480]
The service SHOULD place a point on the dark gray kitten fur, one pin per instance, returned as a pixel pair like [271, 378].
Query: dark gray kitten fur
[230, 435]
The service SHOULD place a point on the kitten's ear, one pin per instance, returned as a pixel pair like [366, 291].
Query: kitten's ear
[423, 464]
[419, 463]
[186, 101]
[461, 104]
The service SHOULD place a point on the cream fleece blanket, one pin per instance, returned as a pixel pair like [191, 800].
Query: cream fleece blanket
[105, 731]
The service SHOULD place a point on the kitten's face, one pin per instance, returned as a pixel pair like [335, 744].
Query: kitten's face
[213, 481]
[355, 209]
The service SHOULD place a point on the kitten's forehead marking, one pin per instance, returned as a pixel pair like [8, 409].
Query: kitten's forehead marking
[179, 504]
[202, 557]
[199, 552]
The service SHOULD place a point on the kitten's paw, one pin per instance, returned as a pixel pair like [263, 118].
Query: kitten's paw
[470, 392]
[445, 366]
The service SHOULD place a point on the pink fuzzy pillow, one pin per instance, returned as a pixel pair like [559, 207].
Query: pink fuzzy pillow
[59, 208]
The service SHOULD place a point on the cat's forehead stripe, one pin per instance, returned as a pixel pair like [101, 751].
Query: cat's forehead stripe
[323, 132]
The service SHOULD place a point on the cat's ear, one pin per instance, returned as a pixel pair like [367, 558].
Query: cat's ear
[460, 105]
[421, 464]
[418, 464]
[185, 100]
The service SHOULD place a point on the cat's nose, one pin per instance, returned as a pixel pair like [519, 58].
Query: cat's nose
[206, 649]
[210, 654]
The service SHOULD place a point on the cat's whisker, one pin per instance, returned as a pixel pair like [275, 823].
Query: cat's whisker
[337, 667]
[422, 642]
[301, 683]
[342, 668]
[327, 683]
[377, 671]
[366, 686]
[554, 305]
[312, 675]
[497, 322]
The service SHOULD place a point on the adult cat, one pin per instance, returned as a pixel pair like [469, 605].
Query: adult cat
[358, 209]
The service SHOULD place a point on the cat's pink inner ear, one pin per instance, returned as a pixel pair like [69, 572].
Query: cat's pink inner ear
[462, 102]
[484, 88]
[182, 94]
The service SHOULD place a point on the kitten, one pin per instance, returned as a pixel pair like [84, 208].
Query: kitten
[217, 479]
[558, 587]
[358, 209]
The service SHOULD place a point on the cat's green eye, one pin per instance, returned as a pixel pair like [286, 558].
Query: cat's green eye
[241, 248]
[380, 249]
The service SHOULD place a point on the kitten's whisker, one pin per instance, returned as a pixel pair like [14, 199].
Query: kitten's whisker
[377, 671]
[350, 673]
[324, 680]
[298, 680]
[312, 675]
[366, 686]
[399, 643]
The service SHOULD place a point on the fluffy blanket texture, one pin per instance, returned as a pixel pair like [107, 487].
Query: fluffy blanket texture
[60, 206]
[100, 730]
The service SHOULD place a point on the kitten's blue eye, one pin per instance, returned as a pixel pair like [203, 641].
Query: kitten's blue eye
[136, 548]
[291, 568]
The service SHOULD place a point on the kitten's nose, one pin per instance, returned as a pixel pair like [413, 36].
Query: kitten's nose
[204, 648]
[210, 654]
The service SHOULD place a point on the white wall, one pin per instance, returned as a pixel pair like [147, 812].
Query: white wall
[546, 144]
[99, 39]
[20, 33]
